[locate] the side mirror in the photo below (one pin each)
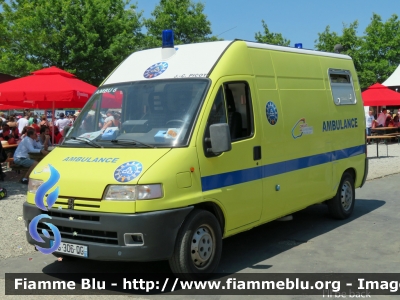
(220, 138)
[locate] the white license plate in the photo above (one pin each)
(71, 249)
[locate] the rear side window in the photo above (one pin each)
(342, 87)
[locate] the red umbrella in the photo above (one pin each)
(46, 88)
(380, 95)
(112, 101)
(8, 107)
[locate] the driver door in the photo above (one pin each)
(233, 178)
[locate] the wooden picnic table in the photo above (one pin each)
(384, 130)
(9, 149)
(8, 146)
(377, 139)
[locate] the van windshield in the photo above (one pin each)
(158, 113)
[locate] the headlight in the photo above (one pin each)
(150, 191)
(33, 185)
(133, 192)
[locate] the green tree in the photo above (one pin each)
(380, 51)
(376, 54)
(184, 17)
(350, 41)
(86, 37)
(270, 37)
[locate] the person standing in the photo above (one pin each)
(370, 119)
(382, 118)
(30, 119)
(12, 122)
(62, 122)
(44, 122)
(22, 123)
(35, 125)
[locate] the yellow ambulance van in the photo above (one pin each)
(185, 145)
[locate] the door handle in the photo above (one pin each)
(257, 152)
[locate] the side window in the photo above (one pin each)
(218, 112)
(342, 87)
(232, 105)
(240, 116)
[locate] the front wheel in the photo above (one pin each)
(341, 206)
(198, 247)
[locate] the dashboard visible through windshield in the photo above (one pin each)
(158, 113)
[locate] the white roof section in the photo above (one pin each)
(186, 61)
(192, 60)
(296, 50)
(394, 79)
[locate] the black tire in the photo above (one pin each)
(341, 206)
(198, 247)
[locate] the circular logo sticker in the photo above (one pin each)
(272, 113)
(128, 171)
(155, 70)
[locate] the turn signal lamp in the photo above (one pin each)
(168, 38)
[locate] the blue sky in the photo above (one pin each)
(300, 21)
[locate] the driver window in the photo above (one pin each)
(232, 105)
(218, 112)
(217, 115)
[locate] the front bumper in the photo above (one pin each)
(103, 233)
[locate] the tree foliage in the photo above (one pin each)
(86, 37)
(349, 40)
(270, 37)
(184, 17)
(380, 50)
(376, 54)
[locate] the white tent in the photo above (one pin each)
(394, 79)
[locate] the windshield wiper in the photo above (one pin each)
(87, 141)
(130, 142)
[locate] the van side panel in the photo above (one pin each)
(299, 166)
(302, 162)
(346, 138)
(266, 90)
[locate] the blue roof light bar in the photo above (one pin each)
(168, 38)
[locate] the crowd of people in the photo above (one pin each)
(33, 135)
(384, 119)
(14, 128)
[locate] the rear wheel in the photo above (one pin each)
(198, 247)
(341, 206)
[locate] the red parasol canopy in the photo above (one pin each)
(380, 95)
(46, 87)
(8, 107)
(112, 101)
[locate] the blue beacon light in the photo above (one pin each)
(298, 45)
(168, 38)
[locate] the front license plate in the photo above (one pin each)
(71, 249)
